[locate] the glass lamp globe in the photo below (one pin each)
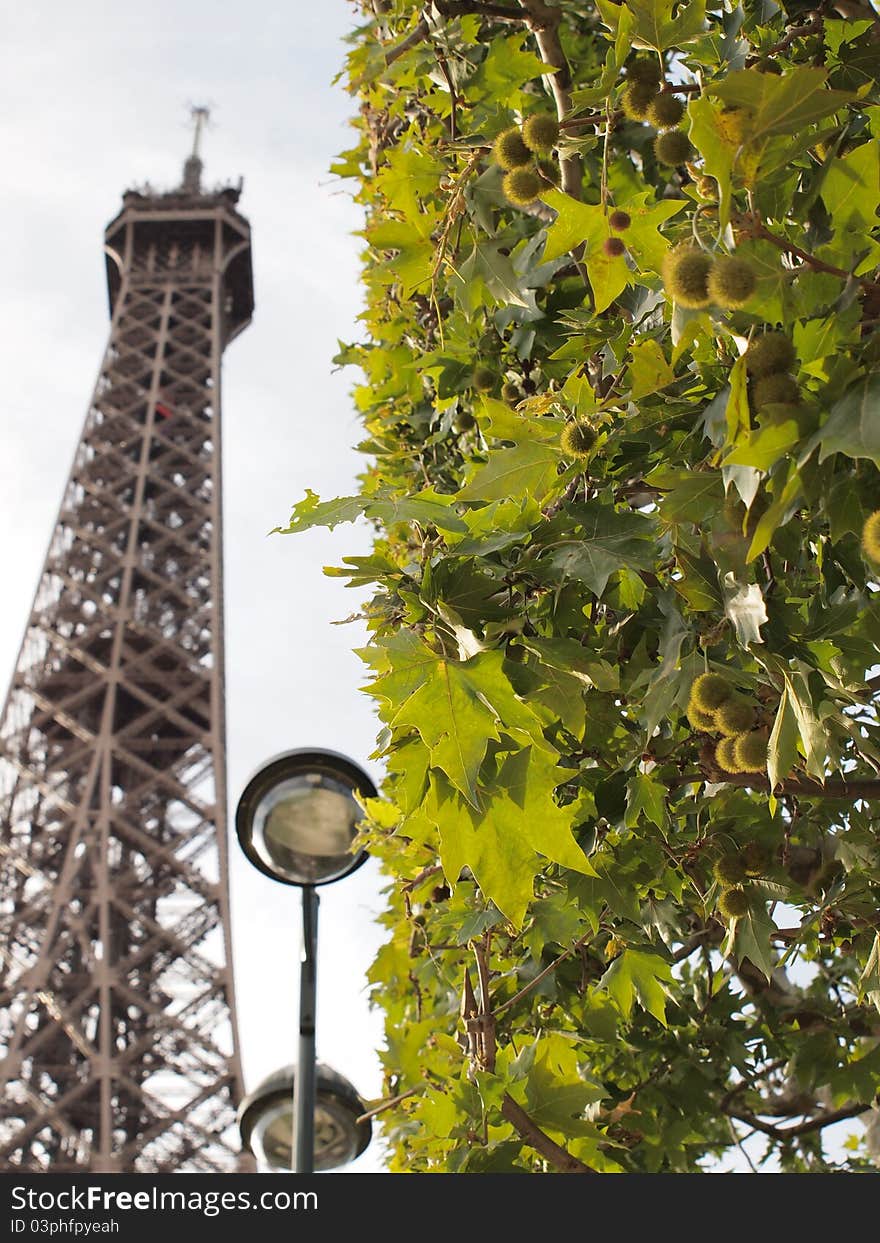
(298, 817)
(266, 1121)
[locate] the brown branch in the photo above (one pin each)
(802, 1128)
(416, 35)
(425, 874)
(389, 1104)
(755, 228)
(815, 23)
(543, 22)
(833, 788)
(542, 975)
(463, 8)
(560, 1158)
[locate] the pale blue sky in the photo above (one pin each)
(94, 99)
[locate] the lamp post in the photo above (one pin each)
(296, 821)
(265, 1120)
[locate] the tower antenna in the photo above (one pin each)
(192, 168)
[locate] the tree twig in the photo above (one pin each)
(560, 1158)
(542, 975)
(389, 1103)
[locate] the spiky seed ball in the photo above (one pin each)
(775, 389)
(703, 722)
(771, 352)
(733, 125)
(620, 221)
(510, 151)
(734, 717)
(483, 379)
(637, 99)
(733, 903)
(731, 281)
(750, 751)
(521, 186)
(613, 247)
(665, 112)
(549, 170)
(756, 859)
(710, 691)
(729, 870)
(871, 537)
(577, 439)
(672, 147)
(644, 69)
(685, 275)
(725, 756)
(540, 133)
(464, 421)
(509, 392)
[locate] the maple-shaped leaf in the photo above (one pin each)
(636, 975)
(655, 26)
(579, 223)
(780, 103)
(601, 541)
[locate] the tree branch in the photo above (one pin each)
(416, 35)
(834, 787)
(543, 22)
(802, 1128)
(462, 8)
(542, 975)
(757, 229)
(560, 1158)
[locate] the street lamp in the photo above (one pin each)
(265, 1120)
(296, 821)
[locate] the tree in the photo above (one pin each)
(622, 411)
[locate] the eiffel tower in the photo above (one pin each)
(118, 1044)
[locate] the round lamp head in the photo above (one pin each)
(297, 818)
(265, 1121)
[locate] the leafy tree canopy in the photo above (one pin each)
(621, 399)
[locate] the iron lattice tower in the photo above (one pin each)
(118, 1045)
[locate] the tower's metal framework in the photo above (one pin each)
(118, 1045)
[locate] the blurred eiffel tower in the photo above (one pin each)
(118, 1045)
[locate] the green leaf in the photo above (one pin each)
(869, 980)
(692, 496)
(737, 413)
(851, 189)
(313, 512)
(456, 708)
(853, 426)
(780, 103)
(749, 937)
(558, 1090)
(718, 154)
(646, 796)
(764, 448)
(505, 69)
(649, 370)
(782, 752)
(584, 223)
(528, 469)
(635, 974)
(605, 541)
(407, 176)
(570, 657)
(655, 26)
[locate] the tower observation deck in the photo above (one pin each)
(118, 1044)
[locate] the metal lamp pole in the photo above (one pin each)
(304, 1083)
